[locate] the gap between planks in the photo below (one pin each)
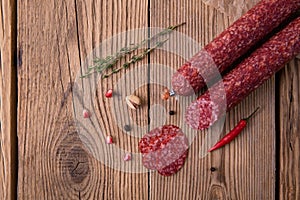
(8, 76)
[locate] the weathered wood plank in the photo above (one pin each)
(55, 37)
(245, 169)
(289, 145)
(8, 148)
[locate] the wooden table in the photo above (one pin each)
(43, 46)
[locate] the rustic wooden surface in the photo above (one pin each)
(55, 37)
(288, 125)
(8, 146)
(245, 169)
(53, 164)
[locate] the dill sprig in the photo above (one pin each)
(101, 64)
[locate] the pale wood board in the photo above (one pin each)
(55, 37)
(289, 142)
(8, 163)
(245, 169)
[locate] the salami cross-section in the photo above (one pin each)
(246, 77)
(231, 44)
(164, 149)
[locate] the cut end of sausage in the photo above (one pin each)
(186, 81)
(202, 113)
(181, 85)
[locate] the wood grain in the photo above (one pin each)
(8, 144)
(289, 145)
(55, 38)
(245, 169)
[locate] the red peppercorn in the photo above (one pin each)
(109, 93)
(109, 139)
(86, 113)
(127, 157)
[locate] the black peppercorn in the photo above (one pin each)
(171, 112)
(213, 169)
(127, 128)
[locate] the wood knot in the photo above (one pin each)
(77, 164)
(73, 160)
(217, 192)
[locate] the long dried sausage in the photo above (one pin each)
(231, 44)
(246, 77)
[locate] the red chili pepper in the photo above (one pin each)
(233, 133)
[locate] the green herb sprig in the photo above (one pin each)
(135, 58)
(101, 64)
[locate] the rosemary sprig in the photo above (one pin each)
(135, 58)
(101, 64)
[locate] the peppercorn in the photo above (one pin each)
(109, 139)
(212, 169)
(127, 128)
(109, 93)
(171, 112)
(86, 113)
(127, 157)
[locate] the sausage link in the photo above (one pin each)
(231, 44)
(245, 78)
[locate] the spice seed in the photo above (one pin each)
(109, 139)
(109, 93)
(86, 113)
(127, 128)
(212, 169)
(165, 95)
(127, 157)
(171, 112)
